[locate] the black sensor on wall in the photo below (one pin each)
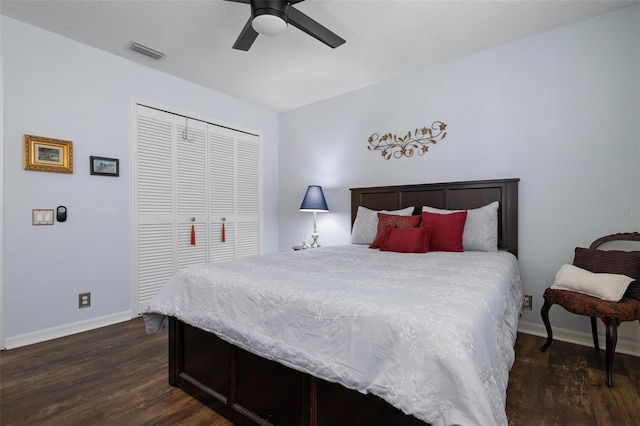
(61, 214)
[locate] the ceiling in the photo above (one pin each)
(385, 39)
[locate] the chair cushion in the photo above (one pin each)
(627, 309)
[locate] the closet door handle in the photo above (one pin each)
(193, 219)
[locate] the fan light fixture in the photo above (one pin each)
(269, 25)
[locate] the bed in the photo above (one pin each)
(336, 336)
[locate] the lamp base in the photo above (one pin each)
(315, 234)
(315, 244)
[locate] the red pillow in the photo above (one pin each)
(395, 221)
(446, 232)
(411, 240)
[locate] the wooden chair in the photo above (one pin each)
(611, 313)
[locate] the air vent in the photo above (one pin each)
(146, 51)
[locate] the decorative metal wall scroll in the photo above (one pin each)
(416, 142)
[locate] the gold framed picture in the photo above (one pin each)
(47, 154)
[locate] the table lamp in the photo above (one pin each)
(314, 202)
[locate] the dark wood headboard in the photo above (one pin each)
(452, 196)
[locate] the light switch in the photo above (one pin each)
(42, 217)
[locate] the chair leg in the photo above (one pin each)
(594, 333)
(545, 318)
(611, 324)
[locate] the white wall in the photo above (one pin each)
(560, 111)
(58, 88)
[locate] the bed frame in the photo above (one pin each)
(250, 390)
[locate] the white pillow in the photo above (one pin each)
(365, 227)
(604, 286)
(481, 228)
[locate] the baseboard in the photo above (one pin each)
(624, 346)
(65, 330)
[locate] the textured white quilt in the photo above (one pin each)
(432, 334)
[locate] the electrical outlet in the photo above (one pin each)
(527, 303)
(84, 300)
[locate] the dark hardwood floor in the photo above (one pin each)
(118, 375)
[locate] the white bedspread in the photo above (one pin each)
(433, 334)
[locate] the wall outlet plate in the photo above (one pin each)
(84, 300)
(527, 303)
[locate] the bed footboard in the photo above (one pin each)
(250, 390)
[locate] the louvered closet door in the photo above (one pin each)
(248, 195)
(222, 178)
(155, 153)
(190, 174)
(171, 178)
(191, 192)
(235, 198)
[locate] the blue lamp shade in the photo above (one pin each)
(314, 200)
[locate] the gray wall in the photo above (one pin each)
(58, 88)
(559, 110)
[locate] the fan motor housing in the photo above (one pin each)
(270, 7)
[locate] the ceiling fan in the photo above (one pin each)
(270, 17)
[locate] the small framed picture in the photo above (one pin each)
(105, 166)
(47, 154)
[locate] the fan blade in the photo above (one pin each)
(246, 37)
(314, 29)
